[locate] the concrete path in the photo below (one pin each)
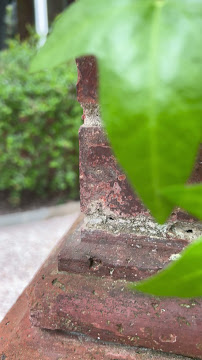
(26, 245)
(38, 214)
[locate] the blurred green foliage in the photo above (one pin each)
(39, 121)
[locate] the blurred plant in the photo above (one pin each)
(11, 19)
(39, 121)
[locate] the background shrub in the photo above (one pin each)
(39, 121)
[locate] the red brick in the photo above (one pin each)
(104, 308)
(121, 256)
(87, 80)
(103, 185)
(19, 340)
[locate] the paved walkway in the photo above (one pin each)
(25, 246)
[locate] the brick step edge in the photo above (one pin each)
(124, 256)
(104, 309)
(20, 340)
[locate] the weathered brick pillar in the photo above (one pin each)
(117, 242)
(119, 238)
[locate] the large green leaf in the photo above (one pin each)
(187, 197)
(182, 279)
(150, 62)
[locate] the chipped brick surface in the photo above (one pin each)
(19, 340)
(103, 186)
(87, 80)
(104, 309)
(122, 256)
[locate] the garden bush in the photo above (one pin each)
(39, 121)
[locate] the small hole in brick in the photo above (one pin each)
(189, 231)
(111, 218)
(54, 281)
(91, 262)
(94, 263)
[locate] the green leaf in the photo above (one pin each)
(187, 197)
(183, 278)
(150, 62)
(80, 30)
